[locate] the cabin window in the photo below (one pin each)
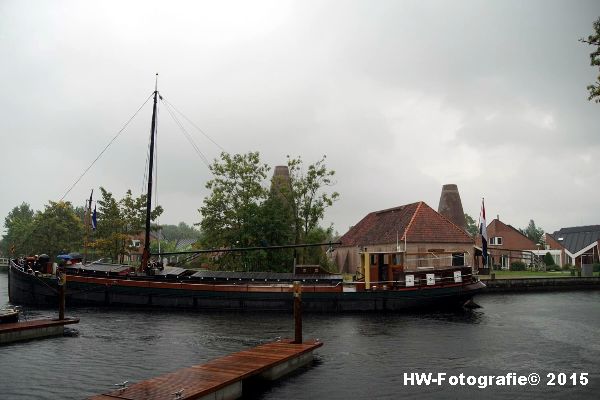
(373, 259)
(458, 259)
(386, 259)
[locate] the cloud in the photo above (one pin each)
(401, 96)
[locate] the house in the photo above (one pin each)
(422, 237)
(577, 245)
(506, 245)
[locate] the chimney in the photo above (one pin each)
(451, 206)
(281, 178)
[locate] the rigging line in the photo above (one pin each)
(145, 175)
(105, 148)
(187, 135)
(194, 125)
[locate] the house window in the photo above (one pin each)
(135, 243)
(496, 241)
(505, 262)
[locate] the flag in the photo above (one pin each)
(483, 233)
(94, 221)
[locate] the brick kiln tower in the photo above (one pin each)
(451, 206)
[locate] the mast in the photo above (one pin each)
(87, 217)
(146, 253)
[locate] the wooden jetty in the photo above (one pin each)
(222, 378)
(26, 330)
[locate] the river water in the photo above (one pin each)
(365, 356)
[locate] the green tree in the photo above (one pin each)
(307, 196)
(594, 41)
(277, 228)
(535, 234)
(108, 238)
(231, 213)
(472, 228)
(118, 221)
(18, 224)
(57, 229)
(548, 259)
(180, 231)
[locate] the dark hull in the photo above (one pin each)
(28, 289)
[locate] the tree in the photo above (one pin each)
(548, 259)
(306, 196)
(118, 221)
(535, 234)
(472, 228)
(231, 213)
(18, 224)
(594, 40)
(180, 231)
(108, 237)
(57, 229)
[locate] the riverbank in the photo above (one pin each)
(524, 284)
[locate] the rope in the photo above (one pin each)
(194, 125)
(187, 135)
(105, 148)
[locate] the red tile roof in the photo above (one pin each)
(421, 223)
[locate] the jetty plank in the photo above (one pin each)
(38, 323)
(34, 329)
(202, 380)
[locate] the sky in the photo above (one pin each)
(401, 96)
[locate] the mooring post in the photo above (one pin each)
(297, 312)
(62, 282)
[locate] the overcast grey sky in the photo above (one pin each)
(402, 97)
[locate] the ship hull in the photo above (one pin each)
(28, 289)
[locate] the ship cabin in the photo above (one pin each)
(384, 270)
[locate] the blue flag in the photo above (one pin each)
(94, 221)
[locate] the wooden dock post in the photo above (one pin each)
(62, 283)
(297, 312)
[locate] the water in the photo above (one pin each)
(365, 356)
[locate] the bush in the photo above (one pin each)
(567, 267)
(596, 267)
(553, 267)
(518, 266)
(548, 259)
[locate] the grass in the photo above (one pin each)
(530, 274)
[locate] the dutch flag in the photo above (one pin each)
(483, 233)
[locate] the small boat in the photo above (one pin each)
(152, 285)
(8, 315)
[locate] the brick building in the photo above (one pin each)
(422, 234)
(506, 245)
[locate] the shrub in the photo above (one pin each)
(567, 267)
(517, 266)
(548, 259)
(596, 267)
(553, 267)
